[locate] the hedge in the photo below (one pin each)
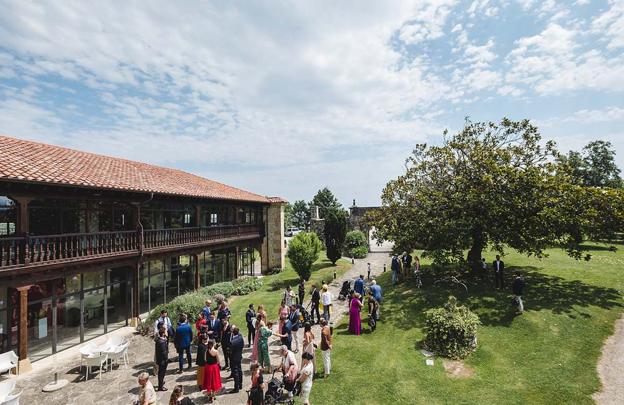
(193, 302)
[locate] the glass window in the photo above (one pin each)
(4, 331)
(93, 279)
(144, 291)
(93, 313)
(157, 283)
(39, 329)
(67, 321)
(118, 305)
(8, 216)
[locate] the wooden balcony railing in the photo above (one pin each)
(31, 250)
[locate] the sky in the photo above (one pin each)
(283, 97)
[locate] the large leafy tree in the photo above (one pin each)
(335, 231)
(325, 200)
(492, 185)
(303, 251)
(300, 214)
(594, 166)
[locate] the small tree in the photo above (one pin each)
(356, 245)
(451, 331)
(335, 232)
(303, 251)
(300, 214)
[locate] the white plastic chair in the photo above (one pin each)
(8, 361)
(115, 341)
(119, 353)
(86, 351)
(12, 399)
(97, 360)
(6, 387)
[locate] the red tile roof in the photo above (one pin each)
(29, 161)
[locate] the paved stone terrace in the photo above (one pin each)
(120, 386)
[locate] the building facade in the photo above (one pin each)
(89, 243)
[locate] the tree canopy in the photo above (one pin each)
(492, 185)
(594, 166)
(325, 200)
(334, 232)
(300, 214)
(303, 251)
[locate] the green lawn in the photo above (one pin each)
(546, 355)
(271, 292)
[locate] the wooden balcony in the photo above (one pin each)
(32, 251)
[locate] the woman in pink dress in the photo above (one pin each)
(283, 315)
(260, 316)
(355, 323)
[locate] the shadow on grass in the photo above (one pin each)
(406, 305)
(294, 281)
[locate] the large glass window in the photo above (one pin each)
(8, 216)
(118, 298)
(67, 321)
(157, 283)
(39, 312)
(93, 315)
(144, 289)
(186, 274)
(5, 328)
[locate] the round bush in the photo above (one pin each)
(451, 331)
(356, 245)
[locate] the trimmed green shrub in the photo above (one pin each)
(451, 331)
(356, 245)
(245, 285)
(303, 250)
(226, 288)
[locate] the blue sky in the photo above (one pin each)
(282, 98)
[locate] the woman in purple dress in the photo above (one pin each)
(355, 323)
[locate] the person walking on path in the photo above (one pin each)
(518, 288)
(306, 377)
(314, 304)
(161, 347)
(373, 308)
(289, 296)
(236, 357)
(326, 298)
(308, 343)
(326, 346)
(147, 394)
(355, 321)
(202, 348)
(293, 318)
(183, 339)
(499, 272)
(250, 315)
(358, 285)
(256, 391)
(395, 266)
(212, 373)
(301, 291)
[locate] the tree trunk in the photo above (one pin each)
(474, 254)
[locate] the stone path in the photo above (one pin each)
(611, 368)
(120, 386)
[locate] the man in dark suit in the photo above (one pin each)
(162, 355)
(251, 329)
(499, 272)
(226, 335)
(183, 339)
(214, 328)
(314, 303)
(236, 357)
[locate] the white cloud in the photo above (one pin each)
(608, 114)
(611, 24)
(427, 23)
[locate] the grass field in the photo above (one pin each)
(546, 355)
(271, 292)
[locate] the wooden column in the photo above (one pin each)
(237, 262)
(134, 321)
(24, 365)
(195, 257)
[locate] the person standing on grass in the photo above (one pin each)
(326, 298)
(499, 272)
(147, 394)
(407, 263)
(202, 348)
(212, 374)
(395, 266)
(301, 291)
(161, 347)
(358, 285)
(306, 377)
(355, 321)
(183, 339)
(236, 357)
(251, 329)
(314, 304)
(289, 296)
(518, 288)
(326, 346)
(373, 308)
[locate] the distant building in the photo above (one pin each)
(91, 243)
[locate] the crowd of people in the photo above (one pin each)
(220, 346)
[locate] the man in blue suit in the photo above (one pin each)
(214, 327)
(358, 286)
(236, 356)
(183, 339)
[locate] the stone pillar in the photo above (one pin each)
(273, 251)
(24, 365)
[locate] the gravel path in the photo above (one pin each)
(120, 386)
(611, 368)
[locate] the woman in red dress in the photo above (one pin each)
(212, 372)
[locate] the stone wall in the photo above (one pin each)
(273, 250)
